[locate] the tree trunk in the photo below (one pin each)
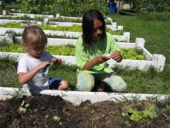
(3, 4)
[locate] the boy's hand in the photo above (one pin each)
(57, 61)
(116, 55)
(44, 64)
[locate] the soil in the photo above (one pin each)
(44, 111)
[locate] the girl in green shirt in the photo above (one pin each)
(93, 49)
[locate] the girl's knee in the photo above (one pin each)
(117, 83)
(85, 82)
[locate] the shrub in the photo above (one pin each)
(37, 6)
(154, 16)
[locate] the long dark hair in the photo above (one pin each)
(87, 25)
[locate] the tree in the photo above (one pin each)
(3, 4)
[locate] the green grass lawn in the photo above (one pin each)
(157, 36)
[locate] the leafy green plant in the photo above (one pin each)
(156, 5)
(73, 28)
(12, 25)
(69, 50)
(37, 6)
(129, 53)
(141, 115)
(61, 50)
(54, 36)
(78, 7)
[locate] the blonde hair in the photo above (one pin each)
(34, 36)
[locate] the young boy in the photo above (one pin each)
(33, 66)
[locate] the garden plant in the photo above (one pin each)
(73, 28)
(69, 50)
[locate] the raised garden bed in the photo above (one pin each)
(24, 16)
(69, 26)
(88, 109)
(30, 15)
(125, 37)
(112, 26)
(155, 60)
(76, 97)
(69, 50)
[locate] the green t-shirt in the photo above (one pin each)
(97, 47)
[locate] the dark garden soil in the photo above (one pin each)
(44, 111)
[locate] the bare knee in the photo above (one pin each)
(63, 85)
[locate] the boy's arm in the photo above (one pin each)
(25, 77)
(56, 61)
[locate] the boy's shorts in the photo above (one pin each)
(54, 83)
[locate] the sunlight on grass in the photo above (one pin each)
(138, 81)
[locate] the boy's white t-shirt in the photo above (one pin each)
(40, 80)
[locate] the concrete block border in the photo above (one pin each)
(76, 97)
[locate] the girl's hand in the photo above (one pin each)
(101, 59)
(116, 55)
(57, 61)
